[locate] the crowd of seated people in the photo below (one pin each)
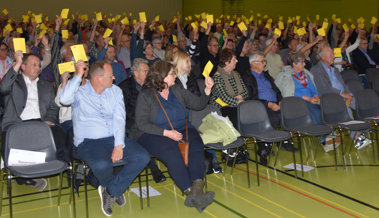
(117, 99)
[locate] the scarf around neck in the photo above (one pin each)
(225, 75)
(302, 78)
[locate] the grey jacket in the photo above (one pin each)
(323, 82)
(285, 83)
(148, 105)
(13, 88)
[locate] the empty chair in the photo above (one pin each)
(334, 113)
(368, 109)
(371, 73)
(253, 122)
(31, 136)
(349, 74)
(295, 118)
(354, 86)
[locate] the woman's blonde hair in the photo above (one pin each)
(169, 51)
(180, 59)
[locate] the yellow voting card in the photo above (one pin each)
(161, 28)
(204, 25)
(174, 38)
(251, 18)
(79, 52)
(66, 67)
(193, 24)
(268, 25)
(281, 25)
(19, 44)
(225, 33)
(337, 52)
(210, 18)
(374, 20)
(231, 23)
(189, 18)
(134, 21)
(110, 42)
(297, 17)
(38, 18)
(207, 69)
(304, 24)
(5, 11)
(130, 14)
(65, 34)
(325, 25)
(289, 20)
(42, 33)
(281, 18)
(317, 17)
(157, 18)
(344, 26)
(66, 21)
(258, 14)
(142, 17)
(107, 33)
(117, 17)
(220, 102)
(242, 26)
(99, 16)
(278, 32)
(295, 29)
(19, 30)
(301, 31)
(321, 31)
(352, 26)
(338, 20)
(269, 21)
(64, 13)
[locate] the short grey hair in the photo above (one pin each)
(300, 46)
(251, 42)
(65, 47)
(254, 56)
(262, 38)
(295, 58)
(145, 44)
(155, 39)
(135, 64)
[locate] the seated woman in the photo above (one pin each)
(297, 81)
(229, 86)
(152, 129)
(170, 53)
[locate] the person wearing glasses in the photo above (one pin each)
(157, 44)
(160, 96)
(362, 59)
(123, 48)
(5, 61)
(98, 117)
(171, 51)
(144, 49)
(209, 50)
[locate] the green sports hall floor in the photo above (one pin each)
(323, 192)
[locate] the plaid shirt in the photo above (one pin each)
(93, 51)
(219, 91)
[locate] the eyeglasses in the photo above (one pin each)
(214, 45)
(262, 61)
(159, 43)
(172, 74)
(111, 75)
(3, 49)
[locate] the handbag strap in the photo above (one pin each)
(169, 118)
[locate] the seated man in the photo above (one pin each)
(26, 98)
(261, 87)
(98, 117)
(362, 59)
(328, 79)
(130, 89)
(292, 46)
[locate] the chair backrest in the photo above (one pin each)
(375, 84)
(349, 74)
(371, 73)
(354, 86)
(333, 109)
(294, 113)
(252, 117)
(367, 104)
(30, 136)
(283, 52)
(196, 117)
(201, 84)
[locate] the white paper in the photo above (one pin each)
(23, 158)
(374, 118)
(306, 168)
(352, 122)
(152, 192)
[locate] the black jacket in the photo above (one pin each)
(191, 84)
(130, 93)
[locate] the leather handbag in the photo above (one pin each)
(183, 145)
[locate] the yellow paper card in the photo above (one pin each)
(78, 52)
(325, 25)
(29, 12)
(204, 25)
(175, 19)
(161, 28)
(251, 18)
(278, 32)
(345, 28)
(377, 36)
(251, 11)
(134, 21)
(107, 33)
(110, 14)
(130, 14)
(38, 18)
(297, 17)
(125, 21)
(242, 26)
(281, 18)
(350, 20)
(326, 20)
(225, 33)
(210, 18)
(174, 38)
(42, 33)
(338, 20)
(73, 17)
(295, 29)
(352, 26)
(298, 22)
(259, 22)
(110, 42)
(192, 24)
(321, 31)
(268, 26)
(46, 18)
(64, 13)
(258, 14)
(265, 17)
(289, 20)
(228, 17)
(109, 20)
(142, 17)
(64, 67)
(281, 25)
(231, 23)
(337, 52)
(374, 20)
(43, 27)
(361, 25)
(301, 31)
(99, 16)
(207, 69)
(5, 11)
(25, 19)
(65, 34)
(19, 44)
(66, 21)
(317, 17)
(19, 30)
(189, 18)
(220, 102)
(117, 17)
(204, 15)
(304, 24)
(157, 18)
(333, 16)
(238, 20)
(269, 21)
(113, 19)
(309, 20)
(8, 27)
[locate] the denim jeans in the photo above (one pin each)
(97, 154)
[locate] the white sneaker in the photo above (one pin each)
(359, 144)
(329, 147)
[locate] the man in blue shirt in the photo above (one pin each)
(98, 117)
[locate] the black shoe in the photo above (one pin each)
(216, 167)
(268, 149)
(120, 201)
(286, 145)
(262, 157)
(158, 176)
(107, 201)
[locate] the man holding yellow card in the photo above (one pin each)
(362, 58)
(209, 50)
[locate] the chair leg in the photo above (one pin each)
(72, 193)
(352, 143)
(10, 194)
(85, 187)
(310, 149)
(256, 159)
(372, 143)
(226, 163)
(293, 155)
(234, 161)
(140, 190)
(60, 188)
(147, 189)
(301, 154)
(205, 180)
(277, 153)
(1, 190)
(247, 165)
(343, 150)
